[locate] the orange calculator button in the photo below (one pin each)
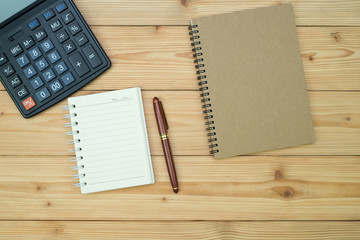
(29, 103)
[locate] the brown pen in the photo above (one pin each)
(162, 126)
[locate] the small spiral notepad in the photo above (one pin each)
(111, 142)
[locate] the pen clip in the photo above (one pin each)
(163, 112)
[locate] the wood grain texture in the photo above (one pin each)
(148, 43)
(179, 230)
(179, 12)
(160, 58)
(336, 118)
(240, 188)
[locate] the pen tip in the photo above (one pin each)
(176, 189)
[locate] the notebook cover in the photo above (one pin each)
(256, 80)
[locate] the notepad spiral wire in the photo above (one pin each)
(78, 158)
(200, 66)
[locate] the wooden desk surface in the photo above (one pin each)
(307, 192)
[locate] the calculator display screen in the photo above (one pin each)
(10, 7)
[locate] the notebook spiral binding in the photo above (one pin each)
(77, 150)
(200, 66)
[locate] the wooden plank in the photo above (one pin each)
(160, 58)
(335, 116)
(240, 188)
(179, 12)
(180, 230)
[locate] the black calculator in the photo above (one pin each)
(47, 52)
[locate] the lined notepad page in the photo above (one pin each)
(113, 147)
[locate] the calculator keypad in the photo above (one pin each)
(28, 42)
(15, 81)
(62, 36)
(42, 94)
(34, 24)
(69, 47)
(35, 53)
(30, 72)
(40, 34)
(42, 64)
(49, 75)
(23, 61)
(55, 25)
(3, 59)
(16, 50)
(8, 70)
(49, 14)
(79, 64)
(36, 83)
(67, 79)
(68, 17)
(29, 103)
(54, 55)
(22, 92)
(47, 45)
(74, 28)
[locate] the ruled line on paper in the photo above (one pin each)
(99, 110)
(104, 103)
(121, 144)
(117, 158)
(101, 154)
(113, 167)
(117, 180)
(116, 175)
(102, 121)
(96, 142)
(105, 130)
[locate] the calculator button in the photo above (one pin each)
(49, 14)
(23, 61)
(61, 68)
(68, 17)
(79, 64)
(69, 47)
(42, 94)
(28, 42)
(54, 57)
(55, 86)
(42, 64)
(34, 24)
(3, 59)
(49, 75)
(40, 34)
(22, 92)
(61, 7)
(16, 50)
(62, 36)
(8, 70)
(81, 39)
(30, 72)
(92, 56)
(36, 83)
(29, 103)
(47, 45)
(35, 53)
(15, 81)
(74, 28)
(68, 78)
(55, 25)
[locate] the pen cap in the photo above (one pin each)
(160, 116)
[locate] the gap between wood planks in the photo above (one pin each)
(165, 221)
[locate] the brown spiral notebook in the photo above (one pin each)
(251, 74)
